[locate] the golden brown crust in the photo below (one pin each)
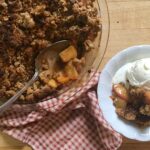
(28, 26)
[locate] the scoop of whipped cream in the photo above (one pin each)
(138, 74)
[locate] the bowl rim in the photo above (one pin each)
(100, 87)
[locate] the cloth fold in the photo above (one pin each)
(69, 122)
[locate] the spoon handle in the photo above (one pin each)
(8, 103)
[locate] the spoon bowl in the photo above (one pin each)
(50, 55)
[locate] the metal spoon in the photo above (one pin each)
(50, 54)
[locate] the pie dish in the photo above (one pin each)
(27, 27)
(127, 128)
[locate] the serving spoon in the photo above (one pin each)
(50, 54)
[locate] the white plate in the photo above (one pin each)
(126, 128)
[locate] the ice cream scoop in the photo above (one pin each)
(138, 74)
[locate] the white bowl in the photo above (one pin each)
(126, 128)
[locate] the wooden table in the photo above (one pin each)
(129, 25)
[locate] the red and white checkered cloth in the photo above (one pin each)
(72, 121)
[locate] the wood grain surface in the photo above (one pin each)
(129, 25)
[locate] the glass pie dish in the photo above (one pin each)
(92, 58)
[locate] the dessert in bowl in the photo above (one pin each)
(123, 92)
(131, 91)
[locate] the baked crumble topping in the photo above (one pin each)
(28, 26)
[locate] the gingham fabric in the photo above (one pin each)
(73, 121)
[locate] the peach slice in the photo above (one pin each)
(147, 97)
(120, 91)
(120, 103)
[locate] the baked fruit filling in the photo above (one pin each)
(132, 103)
(131, 91)
(29, 26)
